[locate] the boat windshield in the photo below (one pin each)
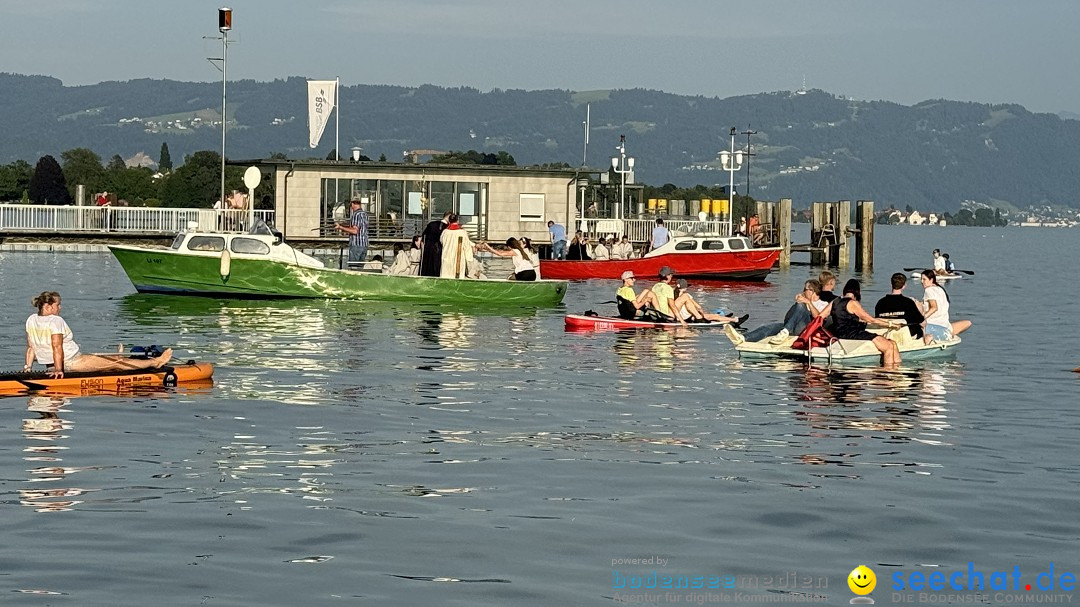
(259, 228)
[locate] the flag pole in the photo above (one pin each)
(337, 118)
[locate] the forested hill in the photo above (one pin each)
(809, 146)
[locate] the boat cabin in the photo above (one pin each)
(257, 245)
(702, 244)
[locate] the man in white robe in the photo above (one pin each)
(457, 251)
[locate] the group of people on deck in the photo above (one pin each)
(845, 317)
(580, 248)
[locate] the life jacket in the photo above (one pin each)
(813, 336)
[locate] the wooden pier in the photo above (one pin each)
(833, 236)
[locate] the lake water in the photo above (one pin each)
(356, 453)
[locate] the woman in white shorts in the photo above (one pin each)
(936, 310)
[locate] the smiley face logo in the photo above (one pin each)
(862, 580)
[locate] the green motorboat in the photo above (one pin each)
(261, 265)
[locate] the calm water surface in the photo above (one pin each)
(370, 454)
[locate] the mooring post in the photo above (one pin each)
(864, 240)
(843, 222)
(784, 227)
(818, 219)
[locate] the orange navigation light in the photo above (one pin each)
(224, 19)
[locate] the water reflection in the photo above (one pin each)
(44, 432)
(662, 349)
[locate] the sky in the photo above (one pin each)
(988, 51)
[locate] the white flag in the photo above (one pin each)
(322, 97)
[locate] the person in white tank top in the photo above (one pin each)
(49, 340)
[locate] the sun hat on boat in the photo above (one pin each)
(628, 274)
(666, 271)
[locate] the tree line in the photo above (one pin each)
(194, 184)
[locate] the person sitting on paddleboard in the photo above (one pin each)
(939, 263)
(693, 311)
(667, 302)
(949, 267)
(631, 304)
(49, 340)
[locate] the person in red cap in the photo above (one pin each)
(631, 303)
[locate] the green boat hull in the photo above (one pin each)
(167, 271)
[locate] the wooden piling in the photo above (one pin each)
(784, 230)
(864, 239)
(842, 257)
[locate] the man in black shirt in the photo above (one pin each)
(897, 305)
(828, 283)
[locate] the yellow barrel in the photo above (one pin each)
(661, 205)
(720, 206)
(652, 204)
(706, 206)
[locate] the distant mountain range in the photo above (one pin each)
(809, 145)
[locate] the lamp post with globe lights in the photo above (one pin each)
(625, 168)
(731, 161)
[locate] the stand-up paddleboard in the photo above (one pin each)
(940, 277)
(581, 322)
(166, 376)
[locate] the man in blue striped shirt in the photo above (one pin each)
(357, 229)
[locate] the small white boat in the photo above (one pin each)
(849, 351)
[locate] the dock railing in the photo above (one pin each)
(640, 230)
(31, 218)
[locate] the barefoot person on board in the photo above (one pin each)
(49, 340)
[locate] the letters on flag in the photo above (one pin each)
(322, 97)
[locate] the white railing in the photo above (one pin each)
(640, 230)
(141, 220)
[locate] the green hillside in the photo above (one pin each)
(813, 146)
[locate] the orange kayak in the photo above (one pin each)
(167, 376)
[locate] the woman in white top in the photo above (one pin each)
(49, 340)
(936, 310)
(401, 264)
(523, 262)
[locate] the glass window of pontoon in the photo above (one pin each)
(686, 245)
(249, 246)
(442, 198)
(713, 245)
(179, 240)
(206, 243)
(737, 244)
(468, 200)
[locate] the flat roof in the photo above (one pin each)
(401, 167)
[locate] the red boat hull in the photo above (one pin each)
(751, 264)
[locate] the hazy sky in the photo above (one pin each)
(993, 51)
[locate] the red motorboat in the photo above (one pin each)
(703, 257)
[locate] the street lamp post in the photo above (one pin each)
(731, 161)
(625, 168)
(224, 25)
(748, 132)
